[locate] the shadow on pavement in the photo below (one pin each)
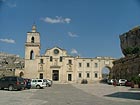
(126, 95)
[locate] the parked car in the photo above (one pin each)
(12, 83)
(110, 81)
(122, 82)
(128, 83)
(38, 83)
(48, 82)
(27, 83)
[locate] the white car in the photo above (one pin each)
(110, 81)
(122, 82)
(48, 82)
(38, 83)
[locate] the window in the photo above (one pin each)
(41, 61)
(96, 64)
(70, 62)
(96, 75)
(88, 65)
(61, 59)
(32, 40)
(34, 81)
(39, 80)
(88, 75)
(31, 55)
(80, 64)
(80, 75)
(51, 58)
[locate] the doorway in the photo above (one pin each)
(55, 75)
(69, 77)
(41, 76)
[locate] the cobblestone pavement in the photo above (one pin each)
(67, 94)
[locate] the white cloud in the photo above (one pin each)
(72, 34)
(9, 4)
(56, 20)
(74, 51)
(7, 41)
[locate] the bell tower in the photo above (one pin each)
(32, 45)
(32, 51)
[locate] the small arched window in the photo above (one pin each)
(31, 55)
(32, 40)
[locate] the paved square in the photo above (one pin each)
(75, 94)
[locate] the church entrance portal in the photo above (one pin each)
(55, 75)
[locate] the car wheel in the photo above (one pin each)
(38, 87)
(10, 88)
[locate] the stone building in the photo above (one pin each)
(56, 64)
(11, 64)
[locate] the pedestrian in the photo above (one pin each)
(114, 83)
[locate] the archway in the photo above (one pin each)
(21, 74)
(106, 72)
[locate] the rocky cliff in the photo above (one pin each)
(128, 66)
(130, 42)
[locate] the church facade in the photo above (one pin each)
(56, 64)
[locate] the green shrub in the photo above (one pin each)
(132, 50)
(136, 79)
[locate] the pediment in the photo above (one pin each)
(56, 51)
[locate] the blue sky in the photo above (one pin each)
(88, 28)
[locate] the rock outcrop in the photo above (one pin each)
(128, 66)
(130, 42)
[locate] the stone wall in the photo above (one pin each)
(126, 67)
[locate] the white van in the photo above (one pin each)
(38, 83)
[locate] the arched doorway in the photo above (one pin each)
(21, 74)
(106, 72)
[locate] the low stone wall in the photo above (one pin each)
(126, 67)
